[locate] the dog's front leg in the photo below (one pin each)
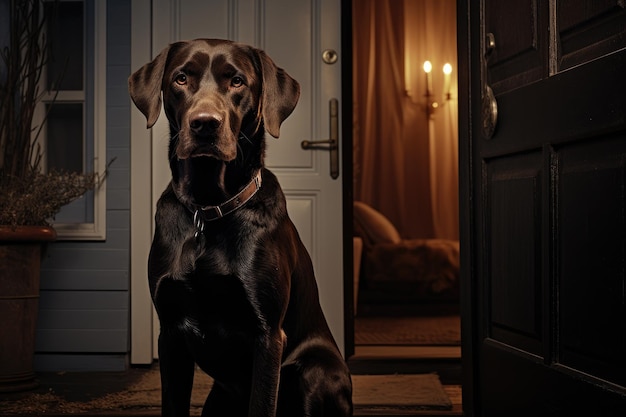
(265, 374)
(177, 368)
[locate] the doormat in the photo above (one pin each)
(419, 330)
(393, 392)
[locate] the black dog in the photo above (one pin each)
(230, 279)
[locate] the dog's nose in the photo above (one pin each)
(204, 123)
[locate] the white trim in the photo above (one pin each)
(141, 312)
(166, 18)
(64, 96)
(97, 229)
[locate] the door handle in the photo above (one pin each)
(332, 144)
(489, 107)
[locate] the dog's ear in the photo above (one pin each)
(279, 96)
(145, 87)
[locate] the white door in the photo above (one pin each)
(291, 33)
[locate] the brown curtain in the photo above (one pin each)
(406, 165)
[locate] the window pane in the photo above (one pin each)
(65, 31)
(64, 135)
(78, 211)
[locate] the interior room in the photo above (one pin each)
(405, 155)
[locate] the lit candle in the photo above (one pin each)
(428, 67)
(447, 70)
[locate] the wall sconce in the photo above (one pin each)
(431, 104)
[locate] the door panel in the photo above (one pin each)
(520, 386)
(518, 58)
(589, 30)
(514, 199)
(592, 249)
(288, 38)
(543, 208)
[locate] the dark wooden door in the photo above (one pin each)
(543, 206)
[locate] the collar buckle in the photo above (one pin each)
(210, 213)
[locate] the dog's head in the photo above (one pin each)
(215, 92)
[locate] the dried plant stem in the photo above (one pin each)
(28, 196)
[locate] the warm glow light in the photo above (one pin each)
(447, 69)
(428, 67)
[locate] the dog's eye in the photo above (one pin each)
(236, 81)
(181, 79)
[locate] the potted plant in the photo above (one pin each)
(29, 197)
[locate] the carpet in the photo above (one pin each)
(140, 395)
(419, 330)
(408, 392)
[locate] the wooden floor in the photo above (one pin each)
(444, 360)
(410, 352)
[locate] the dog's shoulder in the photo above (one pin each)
(269, 205)
(169, 208)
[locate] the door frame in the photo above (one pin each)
(141, 312)
(467, 274)
(142, 344)
(347, 175)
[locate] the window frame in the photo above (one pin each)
(94, 38)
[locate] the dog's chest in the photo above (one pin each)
(207, 309)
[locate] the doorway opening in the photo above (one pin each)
(405, 187)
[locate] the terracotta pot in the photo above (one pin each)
(20, 260)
